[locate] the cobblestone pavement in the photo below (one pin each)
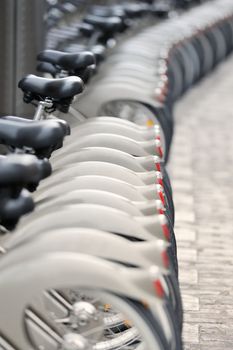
(201, 166)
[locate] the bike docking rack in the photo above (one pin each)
(93, 262)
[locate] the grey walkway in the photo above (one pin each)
(201, 166)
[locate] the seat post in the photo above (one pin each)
(40, 111)
(94, 38)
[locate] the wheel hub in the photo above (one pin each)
(85, 318)
(73, 341)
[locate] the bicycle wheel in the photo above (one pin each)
(93, 320)
(135, 112)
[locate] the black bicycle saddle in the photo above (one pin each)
(21, 170)
(135, 10)
(70, 62)
(57, 89)
(104, 24)
(99, 52)
(112, 11)
(108, 11)
(11, 209)
(66, 8)
(43, 136)
(161, 10)
(87, 30)
(63, 124)
(45, 67)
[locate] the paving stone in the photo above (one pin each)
(185, 216)
(209, 332)
(216, 346)
(207, 316)
(191, 333)
(190, 302)
(182, 184)
(186, 234)
(187, 254)
(192, 347)
(201, 168)
(188, 275)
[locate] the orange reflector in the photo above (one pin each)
(128, 323)
(107, 307)
(145, 304)
(150, 123)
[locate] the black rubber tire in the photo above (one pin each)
(175, 298)
(152, 322)
(172, 249)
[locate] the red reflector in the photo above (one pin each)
(161, 196)
(158, 288)
(161, 211)
(165, 258)
(160, 181)
(157, 166)
(159, 151)
(160, 98)
(166, 232)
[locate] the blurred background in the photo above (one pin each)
(27, 26)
